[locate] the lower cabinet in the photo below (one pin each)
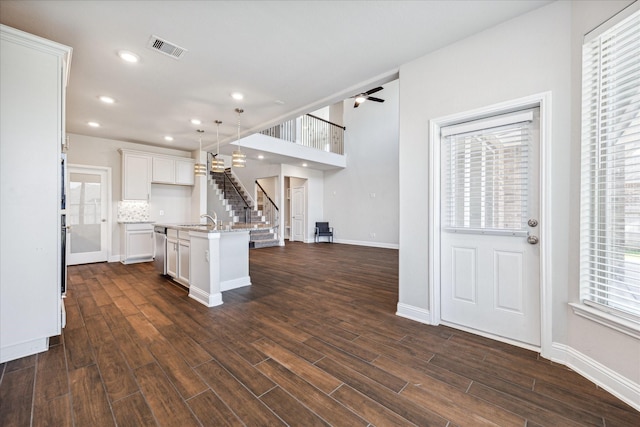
(137, 244)
(178, 254)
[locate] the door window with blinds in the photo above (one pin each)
(610, 193)
(485, 166)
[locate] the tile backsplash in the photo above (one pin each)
(133, 211)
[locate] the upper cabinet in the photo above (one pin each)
(141, 169)
(136, 176)
(172, 170)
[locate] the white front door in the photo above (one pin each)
(297, 214)
(87, 219)
(490, 260)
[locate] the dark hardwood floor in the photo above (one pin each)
(314, 341)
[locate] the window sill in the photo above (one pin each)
(627, 327)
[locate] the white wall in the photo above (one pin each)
(531, 54)
(174, 200)
(362, 199)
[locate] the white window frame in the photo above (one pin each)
(625, 321)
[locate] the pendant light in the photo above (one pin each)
(200, 169)
(217, 163)
(238, 158)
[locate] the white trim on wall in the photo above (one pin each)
(542, 100)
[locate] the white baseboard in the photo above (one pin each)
(210, 300)
(24, 349)
(366, 243)
(228, 285)
(413, 313)
(114, 258)
(621, 387)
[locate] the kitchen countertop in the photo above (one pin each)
(208, 229)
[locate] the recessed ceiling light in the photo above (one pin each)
(168, 138)
(196, 122)
(127, 56)
(94, 124)
(237, 96)
(260, 156)
(278, 102)
(304, 165)
(106, 99)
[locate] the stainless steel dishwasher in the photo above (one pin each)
(160, 261)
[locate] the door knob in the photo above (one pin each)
(533, 240)
(532, 222)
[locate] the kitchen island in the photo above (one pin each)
(215, 260)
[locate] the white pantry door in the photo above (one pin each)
(87, 204)
(490, 260)
(297, 214)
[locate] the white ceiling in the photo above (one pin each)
(286, 57)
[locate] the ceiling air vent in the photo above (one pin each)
(165, 47)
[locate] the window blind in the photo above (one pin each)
(485, 175)
(610, 187)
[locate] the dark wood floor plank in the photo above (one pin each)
(211, 411)
(327, 407)
(155, 316)
(52, 379)
(166, 404)
(78, 347)
(16, 395)
(291, 410)
(125, 305)
(242, 402)
(245, 372)
(89, 400)
(53, 413)
(530, 411)
(382, 395)
(384, 378)
(185, 380)
(190, 350)
(368, 408)
(133, 411)
(23, 362)
(300, 367)
(134, 351)
(99, 331)
(116, 375)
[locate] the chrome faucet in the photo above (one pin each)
(213, 219)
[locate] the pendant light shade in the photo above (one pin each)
(238, 158)
(217, 163)
(200, 169)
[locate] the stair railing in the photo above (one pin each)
(229, 188)
(270, 211)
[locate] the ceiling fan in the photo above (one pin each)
(361, 97)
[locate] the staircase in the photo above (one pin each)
(242, 213)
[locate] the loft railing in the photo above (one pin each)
(269, 210)
(310, 131)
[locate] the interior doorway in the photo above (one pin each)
(88, 219)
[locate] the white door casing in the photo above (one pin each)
(488, 282)
(297, 214)
(88, 219)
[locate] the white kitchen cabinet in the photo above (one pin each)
(138, 243)
(164, 170)
(172, 170)
(184, 171)
(178, 255)
(33, 78)
(136, 175)
(183, 261)
(172, 256)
